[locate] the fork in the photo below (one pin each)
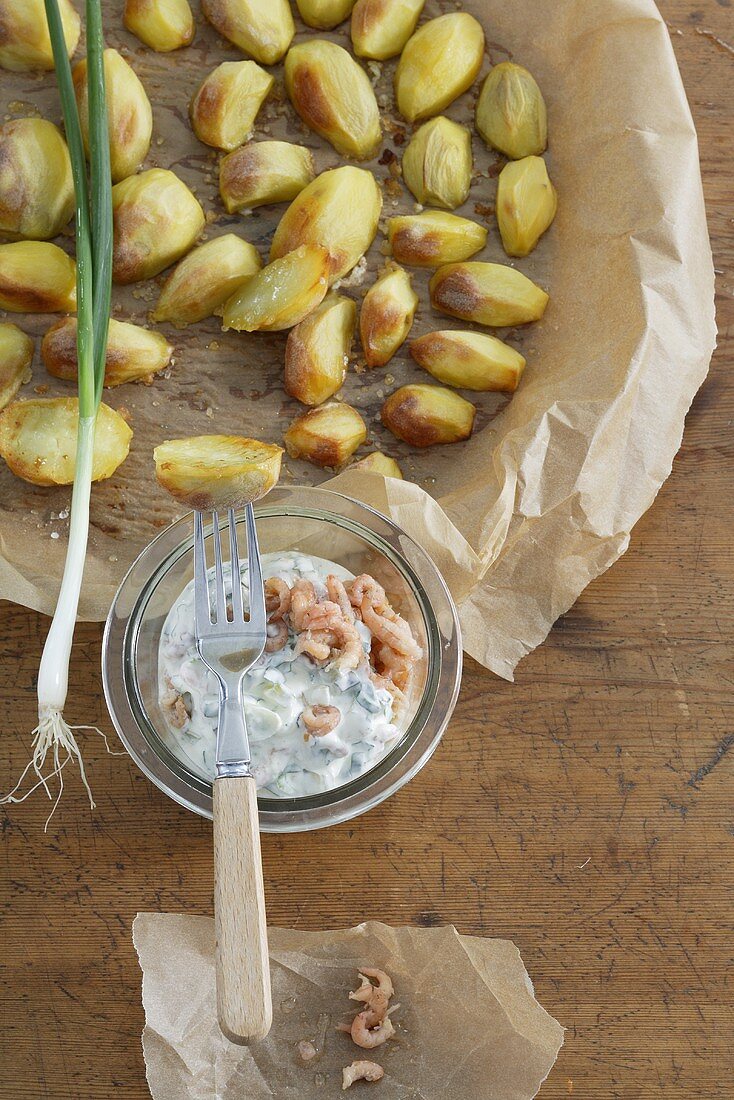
(229, 647)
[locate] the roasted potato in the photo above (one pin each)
(133, 353)
(36, 277)
(16, 356)
(440, 62)
(317, 351)
(326, 436)
(36, 186)
(434, 238)
(380, 28)
(488, 294)
(437, 163)
(526, 204)
(261, 28)
(424, 415)
(164, 25)
(378, 463)
(217, 472)
(324, 15)
(334, 97)
(339, 211)
(469, 360)
(224, 109)
(156, 220)
(205, 279)
(387, 315)
(24, 39)
(129, 115)
(264, 172)
(38, 440)
(511, 114)
(281, 294)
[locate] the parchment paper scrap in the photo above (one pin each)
(469, 1027)
(544, 496)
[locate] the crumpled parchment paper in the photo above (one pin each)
(543, 497)
(468, 1026)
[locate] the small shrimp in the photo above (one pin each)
(375, 997)
(367, 1037)
(338, 595)
(279, 636)
(394, 666)
(320, 720)
(384, 682)
(389, 633)
(365, 588)
(316, 645)
(323, 616)
(383, 983)
(306, 1051)
(303, 597)
(361, 1071)
(352, 653)
(277, 597)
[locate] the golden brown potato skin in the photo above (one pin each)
(36, 185)
(129, 114)
(324, 15)
(38, 440)
(156, 221)
(380, 28)
(24, 39)
(36, 277)
(264, 172)
(378, 463)
(437, 163)
(339, 210)
(426, 415)
(526, 204)
(488, 294)
(387, 315)
(281, 294)
(225, 106)
(133, 354)
(163, 25)
(333, 95)
(261, 28)
(434, 238)
(317, 351)
(327, 436)
(439, 62)
(469, 360)
(16, 356)
(205, 279)
(511, 113)
(217, 472)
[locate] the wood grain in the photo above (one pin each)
(585, 811)
(244, 1005)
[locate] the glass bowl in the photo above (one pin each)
(327, 525)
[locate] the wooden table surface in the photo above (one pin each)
(584, 812)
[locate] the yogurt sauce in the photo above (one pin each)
(286, 762)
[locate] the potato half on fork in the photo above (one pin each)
(216, 472)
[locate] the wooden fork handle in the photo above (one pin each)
(244, 1005)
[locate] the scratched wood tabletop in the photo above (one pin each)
(584, 812)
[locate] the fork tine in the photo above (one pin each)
(202, 606)
(254, 568)
(238, 615)
(220, 608)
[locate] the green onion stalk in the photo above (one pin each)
(93, 280)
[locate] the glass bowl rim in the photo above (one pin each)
(392, 771)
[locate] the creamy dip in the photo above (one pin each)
(286, 760)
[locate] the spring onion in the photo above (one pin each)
(94, 277)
